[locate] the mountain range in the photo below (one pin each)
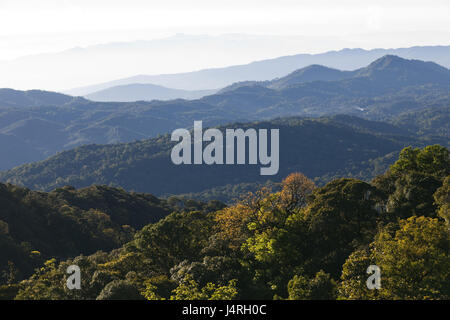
(92, 63)
(390, 70)
(37, 124)
(362, 175)
(268, 69)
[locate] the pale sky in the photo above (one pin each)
(29, 28)
(51, 25)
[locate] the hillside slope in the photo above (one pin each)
(35, 226)
(318, 148)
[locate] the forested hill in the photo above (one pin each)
(300, 243)
(35, 226)
(320, 148)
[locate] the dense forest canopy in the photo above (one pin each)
(323, 149)
(297, 242)
(36, 226)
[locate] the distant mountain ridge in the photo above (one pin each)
(388, 70)
(31, 98)
(216, 78)
(308, 74)
(383, 90)
(145, 92)
(403, 71)
(101, 62)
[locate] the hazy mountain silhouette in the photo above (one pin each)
(31, 98)
(387, 70)
(311, 73)
(383, 90)
(144, 91)
(98, 63)
(346, 59)
(308, 74)
(396, 71)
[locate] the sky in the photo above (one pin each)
(36, 27)
(50, 25)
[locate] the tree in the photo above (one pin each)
(433, 160)
(4, 228)
(340, 217)
(413, 195)
(414, 259)
(233, 221)
(119, 290)
(321, 287)
(354, 276)
(295, 189)
(412, 180)
(442, 200)
(189, 289)
(180, 236)
(218, 269)
(46, 284)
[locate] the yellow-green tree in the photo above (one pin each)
(442, 199)
(189, 289)
(414, 260)
(321, 287)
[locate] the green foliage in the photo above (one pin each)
(341, 216)
(353, 279)
(119, 290)
(432, 160)
(177, 237)
(442, 200)
(413, 195)
(4, 227)
(37, 287)
(159, 288)
(426, 121)
(229, 193)
(414, 261)
(409, 185)
(189, 290)
(35, 226)
(8, 292)
(299, 242)
(321, 287)
(322, 148)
